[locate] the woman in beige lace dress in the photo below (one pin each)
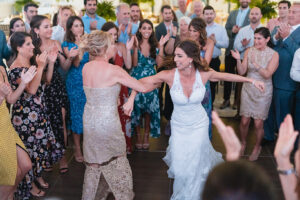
(260, 62)
(104, 147)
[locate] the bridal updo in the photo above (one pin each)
(96, 43)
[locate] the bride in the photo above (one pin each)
(190, 155)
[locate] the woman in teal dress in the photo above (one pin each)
(145, 57)
(74, 83)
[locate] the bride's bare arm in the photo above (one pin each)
(220, 76)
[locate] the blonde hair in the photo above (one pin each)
(96, 43)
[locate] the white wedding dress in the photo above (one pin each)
(190, 155)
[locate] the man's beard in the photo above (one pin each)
(244, 5)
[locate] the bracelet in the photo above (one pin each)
(286, 172)
(174, 37)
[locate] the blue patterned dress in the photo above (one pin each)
(207, 102)
(75, 91)
(148, 102)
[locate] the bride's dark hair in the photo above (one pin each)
(192, 50)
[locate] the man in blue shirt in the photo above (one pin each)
(91, 20)
(126, 28)
(218, 34)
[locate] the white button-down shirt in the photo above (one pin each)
(221, 36)
(245, 32)
(295, 70)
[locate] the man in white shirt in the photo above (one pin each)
(135, 13)
(182, 9)
(245, 37)
(30, 10)
(218, 34)
(58, 32)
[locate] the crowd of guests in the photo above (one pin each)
(52, 70)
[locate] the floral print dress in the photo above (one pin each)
(56, 99)
(148, 102)
(31, 121)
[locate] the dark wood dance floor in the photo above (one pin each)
(150, 172)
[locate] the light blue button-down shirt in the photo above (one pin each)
(87, 20)
(240, 18)
(124, 36)
(245, 32)
(221, 38)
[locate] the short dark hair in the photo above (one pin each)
(208, 7)
(165, 7)
(134, 4)
(30, 5)
(285, 1)
(85, 1)
(238, 180)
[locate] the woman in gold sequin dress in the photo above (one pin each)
(104, 146)
(260, 62)
(14, 159)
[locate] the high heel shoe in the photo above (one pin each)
(138, 145)
(146, 145)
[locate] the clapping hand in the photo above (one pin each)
(73, 52)
(285, 142)
(284, 30)
(129, 43)
(235, 54)
(93, 25)
(4, 89)
(231, 141)
(163, 40)
(245, 42)
(52, 55)
(235, 29)
(41, 59)
(174, 30)
(26, 77)
(213, 38)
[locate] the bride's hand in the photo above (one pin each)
(128, 107)
(231, 141)
(259, 85)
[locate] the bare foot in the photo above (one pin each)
(78, 155)
(255, 153)
(36, 192)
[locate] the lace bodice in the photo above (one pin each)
(188, 110)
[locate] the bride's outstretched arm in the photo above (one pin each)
(220, 76)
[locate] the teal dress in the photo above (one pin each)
(148, 102)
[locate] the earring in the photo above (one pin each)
(190, 66)
(37, 35)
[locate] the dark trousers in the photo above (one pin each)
(215, 64)
(283, 103)
(230, 67)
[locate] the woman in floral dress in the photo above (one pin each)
(122, 58)
(55, 92)
(29, 114)
(145, 57)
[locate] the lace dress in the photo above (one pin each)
(31, 121)
(148, 102)
(190, 155)
(104, 144)
(255, 103)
